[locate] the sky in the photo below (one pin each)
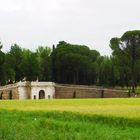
(33, 23)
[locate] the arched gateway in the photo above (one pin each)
(41, 94)
(42, 90)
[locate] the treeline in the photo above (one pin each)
(75, 64)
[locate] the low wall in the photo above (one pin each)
(9, 92)
(69, 91)
(22, 90)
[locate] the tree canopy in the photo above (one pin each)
(75, 64)
(127, 50)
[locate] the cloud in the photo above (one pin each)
(45, 22)
(9, 5)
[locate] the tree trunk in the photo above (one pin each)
(133, 68)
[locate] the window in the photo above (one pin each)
(34, 96)
(49, 96)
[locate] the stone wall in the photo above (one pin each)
(9, 92)
(29, 90)
(116, 94)
(73, 91)
(24, 90)
(20, 90)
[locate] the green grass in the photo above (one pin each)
(138, 90)
(78, 119)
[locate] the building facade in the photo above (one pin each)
(50, 90)
(28, 90)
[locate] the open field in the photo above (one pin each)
(128, 108)
(78, 119)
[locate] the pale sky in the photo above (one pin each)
(31, 23)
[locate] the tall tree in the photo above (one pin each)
(74, 64)
(2, 59)
(30, 66)
(9, 68)
(128, 48)
(16, 57)
(43, 54)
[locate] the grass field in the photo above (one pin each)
(77, 119)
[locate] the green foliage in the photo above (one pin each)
(30, 66)
(16, 57)
(9, 68)
(126, 50)
(74, 64)
(44, 60)
(2, 74)
(1, 45)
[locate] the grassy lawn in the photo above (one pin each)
(77, 119)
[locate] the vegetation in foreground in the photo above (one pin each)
(85, 119)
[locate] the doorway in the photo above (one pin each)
(41, 94)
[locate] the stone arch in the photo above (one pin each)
(41, 94)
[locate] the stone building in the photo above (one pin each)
(28, 90)
(50, 90)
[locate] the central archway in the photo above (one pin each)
(41, 94)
